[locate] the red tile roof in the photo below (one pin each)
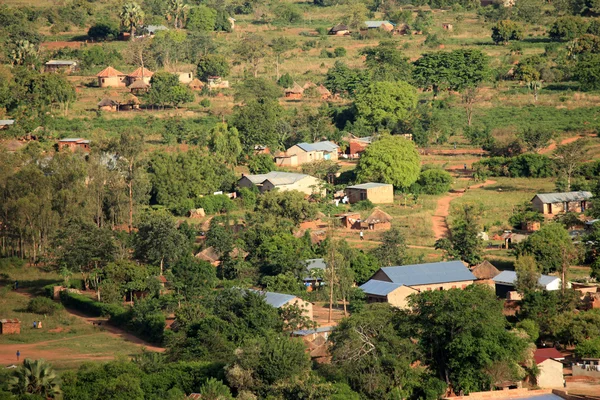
(542, 355)
(138, 73)
(109, 72)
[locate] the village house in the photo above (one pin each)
(139, 86)
(358, 145)
(110, 77)
(153, 29)
(549, 363)
(383, 25)
(107, 104)
(210, 255)
(377, 193)
(283, 181)
(302, 153)
(185, 77)
(279, 300)
(315, 268)
(73, 144)
(216, 82)
(551, 204)
(316, 342)
(140, 74)
(419, 278)
(323, 92)
(377, 221)
(196, 84)
(294, 93)
(485, 273)
(350, 220)
(505, 283)
(339, 30)
(66, 66)
(396, 294)
(10, 326)
(5, 123)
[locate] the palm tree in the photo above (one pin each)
(176, 11)
(131, 16)
(35, 377)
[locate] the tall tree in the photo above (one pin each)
(464, 242)
(280, 46)
(252, 49)
(569, 157)
(392, 250)
(528, 274)
(547, 246)
(536, 139)
(176, 10)
(385, 104)
(387, 63)
(225, 142)
(131, 17)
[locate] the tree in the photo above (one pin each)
(355, 16)
(288, 204)
(175, 11)
(435, 181)
(261, 164)
(390, 159)
(280, 46)
(193, 277)
(341, 79)
(212, 65)
(568, 158)
(528, 274)
(24, 53)
(158, 242)
(464, 242)
(547, 246)
(225, 143)
(102, 31)
(463, 338)
(536, 139)
(387, 63)
(384, 104)
(215, 390)
(587, 71)
(588, 348)
(505, 31)
(258, 123)
(392, 250)
(131, 17)
(35, 377)
(259, 89)
(252, 49)
(201, 18)
(567, 28)
(529, 11)
(165, 89)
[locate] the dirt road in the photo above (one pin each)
(439, 219)
(553, 145)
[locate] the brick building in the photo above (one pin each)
(10, 326)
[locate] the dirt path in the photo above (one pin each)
(553, 145)
(439, 219)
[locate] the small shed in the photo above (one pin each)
(505, 282)
(485, 270)
(10, 326)
(316, 342)
(73, 144)
(295, 92)
(139, 86)
(549, 363)
(395, 294)
(448, 27)
(107, 104)
(378, 220)
(339, 30)
(350, 220)
(67, 66)
(196, 84)
(131, 103)
(185, 77)
(5, 123)
(209, 254)
(377, 193)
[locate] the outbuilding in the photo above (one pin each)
(505, 282)
(294, 93)
(377, 193)
(73, 144)
(550, 366)
(66, 66)
(140, 74)
(279, 300)
(10, 326)
(339, 30)
(551, 204)
(396, 294)
(378, 220)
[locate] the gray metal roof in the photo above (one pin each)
(304, 332)
(424, 274)
(276, 178)
(551, 198)
(317, 263)
(377, 24)
(154, 28)
(379, 288)
(70, 140)
(325, 146)
(275, 299)
(61, 62)
(4, 122)
(368, 185)
(509, 278)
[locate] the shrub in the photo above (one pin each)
(435, 181)
(43, 305)
(205, 103)
(248, 198)
(213, 204)
(339, 52)
(363, 205)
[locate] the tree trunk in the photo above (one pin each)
(277, 66)
(130, 184)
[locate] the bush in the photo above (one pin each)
(91, 307)
(363, 205)
(339, 52)
(435, 181)
(205, 103)
(248, 198)
(214, 204)
(43, 305)
(49, 289)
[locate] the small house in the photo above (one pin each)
(294, 93)
(315, 268)
(66, 66)
(377, 193)
(210, 255)
(505, 282)
(551, 204)
(358, 145)
(339, 30)
(5, 123)
(431, 276)
(378, 220)
(110, 77)
(73, 144)
(131, 103)
(10, 326)
(485, 273)
(279, 300)
(549, 363)
(216, 82)
(447, 27)
(396, 294)
(308, 152)
(196, 84)
(350, 220)
(316, 342)
(383, 25)
(140, 74)
(185, 77)
(139, 86)
(153, 29)
(107, 104)
(283, 181)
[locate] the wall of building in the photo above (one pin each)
(304, 305)
(304, 185)
(185, 77)
(304, 156)
(558, 208)
(399, 297)
(551, 374)
(10, 328)
(112, 81)
(443, 286)
(291, 161)
(381, 195)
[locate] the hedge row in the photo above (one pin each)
(94, 308)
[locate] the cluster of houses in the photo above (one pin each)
(383, 26)
(296, 92)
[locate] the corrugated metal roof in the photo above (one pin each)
(326, 146)
(304, 332)
(276, 178)
(154, 28)
(4, 122)
(379, 288)
(424, 274)
(377, 24)
(61, 62)
(509, 278)
(563, 197)
(275, 299)
(368, 185)
(317, 263)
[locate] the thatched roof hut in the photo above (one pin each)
(378, 220)
(485, 270)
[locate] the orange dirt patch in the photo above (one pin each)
(552, 146)
(59, 330)
(60, 45)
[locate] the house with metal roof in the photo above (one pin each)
(279, 300)
(505, 282)
(315, 269)
(5, 123)
(302, 153)
(429, 276)
(67, 66)
(385, 25)
(551, 204)
(396, 294)
(377, 193)
(283, 181)
(73, 144)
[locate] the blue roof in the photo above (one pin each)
(304, 332)
(509, 278)
(275, 299)
(379, 288)
(326, 146)
(425, 274)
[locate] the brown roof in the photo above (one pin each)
(10, 321)
(138, 73)
(323, 90)
(296, 89)
(542, 355)
(209, 254)
(139, 84)
(196, 83)
(378, 216)
(109, 72)
(107, 102)
(237, 252)
(133, 100)
(485, 270)
(308, 84)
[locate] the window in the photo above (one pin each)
(102, 80)
(363, 195)
(441, 288)
(453, 286)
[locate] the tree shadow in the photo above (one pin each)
(537, 40)
(502, 188)
(562, 87)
